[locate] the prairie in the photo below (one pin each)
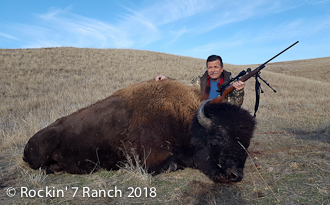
(289, 156)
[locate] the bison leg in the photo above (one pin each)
(170, 165)
(54, 168)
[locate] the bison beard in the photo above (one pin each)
(155, 118)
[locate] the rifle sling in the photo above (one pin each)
(257, 88)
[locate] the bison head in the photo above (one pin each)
(220, 134)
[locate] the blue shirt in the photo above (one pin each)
(213, 89)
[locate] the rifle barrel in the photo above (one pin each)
(281, 53)
(222, 98)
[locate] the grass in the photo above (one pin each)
(289, 159)
(134, 168)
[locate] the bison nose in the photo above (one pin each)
(234, 176)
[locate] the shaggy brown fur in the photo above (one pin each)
(155, 119)
(149, 117)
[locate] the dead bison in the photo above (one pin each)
(160, 121)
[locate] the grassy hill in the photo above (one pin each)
(289, 158)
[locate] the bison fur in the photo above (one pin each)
(156, 119)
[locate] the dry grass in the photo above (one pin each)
(134, 167)
(289, 159)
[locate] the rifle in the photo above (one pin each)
(256, 73)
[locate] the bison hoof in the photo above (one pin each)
(173, 167)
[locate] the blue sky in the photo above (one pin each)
(242, 32)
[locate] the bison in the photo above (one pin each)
(165, 121)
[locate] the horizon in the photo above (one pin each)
(273, 61)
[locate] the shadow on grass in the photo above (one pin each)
(320, 134)
(211, 193)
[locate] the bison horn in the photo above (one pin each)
(202, 119)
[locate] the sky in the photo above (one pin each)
(240, 31)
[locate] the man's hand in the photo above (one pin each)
(239, 85)
(160, 77)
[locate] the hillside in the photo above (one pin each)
(289, 154)
(315, 69)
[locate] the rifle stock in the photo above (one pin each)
(222, 98)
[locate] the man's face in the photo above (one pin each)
(214, 69)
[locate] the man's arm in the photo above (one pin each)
(160, 77)
(236, 97)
